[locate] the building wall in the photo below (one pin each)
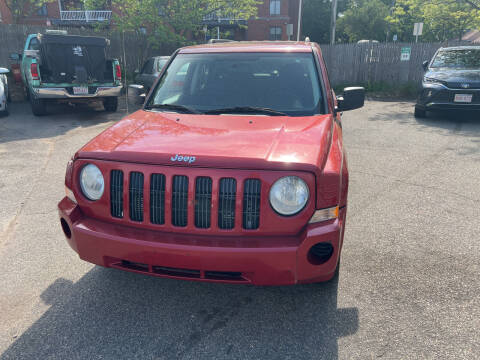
(53, 12)
(259, 28)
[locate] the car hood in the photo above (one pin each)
(220, 141)
(471, 77)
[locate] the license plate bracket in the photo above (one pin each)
(463, 98)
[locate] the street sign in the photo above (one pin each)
(405, 53)
(417, 29)
(395, 37)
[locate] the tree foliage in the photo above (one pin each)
(375, 19)
(166, 21)
(364, 21)
(443, 19)
(21, 9)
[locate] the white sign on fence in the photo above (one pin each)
(417, 29)
(405, 53)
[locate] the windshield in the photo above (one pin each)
(458, 59)
(283, 82)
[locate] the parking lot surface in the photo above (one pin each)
(408, 286)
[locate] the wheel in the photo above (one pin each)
(110, 104)
(5, 111)
(38, 106)
(419, 113)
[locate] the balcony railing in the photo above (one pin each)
(215, 18)
(86, 15)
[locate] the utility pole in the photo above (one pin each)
(299, 19)
(333, 22)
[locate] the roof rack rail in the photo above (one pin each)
(217, 41)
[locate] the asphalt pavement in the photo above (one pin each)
(408, 288)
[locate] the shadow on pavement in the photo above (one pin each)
(21, 124)
(112, 314)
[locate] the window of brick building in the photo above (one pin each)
(275, 7)
(275, 33)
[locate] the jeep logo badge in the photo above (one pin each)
(465, 86)
(183, 158)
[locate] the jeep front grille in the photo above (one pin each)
(116, 193)
(169, 196)
(136, 196)
(179, 200)
(226, 203)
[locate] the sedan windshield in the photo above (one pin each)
(458, 59)
(253, 83)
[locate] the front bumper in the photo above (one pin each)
(64, 93)
(439, 97)
(228, 259)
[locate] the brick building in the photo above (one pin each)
(272, 22)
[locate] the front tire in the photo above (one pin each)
(420, 113)
(110, 104)
(5, 111)
(39, 107)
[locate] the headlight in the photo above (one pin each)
(430, 80)
(289, 195)
(92, 182)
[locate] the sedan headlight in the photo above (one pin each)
(430, 80)
(92, 182)
(289, 195)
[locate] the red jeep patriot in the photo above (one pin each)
(233, 171)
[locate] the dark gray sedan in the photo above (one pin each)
(150, 71)
(451, 81)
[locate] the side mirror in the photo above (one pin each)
(136, 94)
(15, 57)
(4, 71)
(352, 98)
(425, 65)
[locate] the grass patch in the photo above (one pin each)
(384, 90)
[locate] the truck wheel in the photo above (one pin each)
(38, 106)
(4, 112)
(420, 113)
(110, 104)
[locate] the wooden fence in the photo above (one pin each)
(348, 64)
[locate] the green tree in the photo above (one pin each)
(316, 16)
(21, 9)
(443, 20)
(172, 20)
(364, 21)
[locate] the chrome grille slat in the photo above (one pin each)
(203, 202)
(226, 205)
(116, 193)
(157, 199)
(251, 204)
(136, 196)
(180, 200)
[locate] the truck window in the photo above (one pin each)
(148, 67)
(34, 44)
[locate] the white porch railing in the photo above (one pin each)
(86, 15)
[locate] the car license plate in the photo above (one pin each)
(80, 90)
(464, 98)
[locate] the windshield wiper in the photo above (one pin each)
(246, 110)
(178, 108)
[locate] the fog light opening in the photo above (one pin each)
(320, 253)
(66, 228)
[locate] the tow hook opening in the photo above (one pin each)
(320, 253)
(66, 228)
